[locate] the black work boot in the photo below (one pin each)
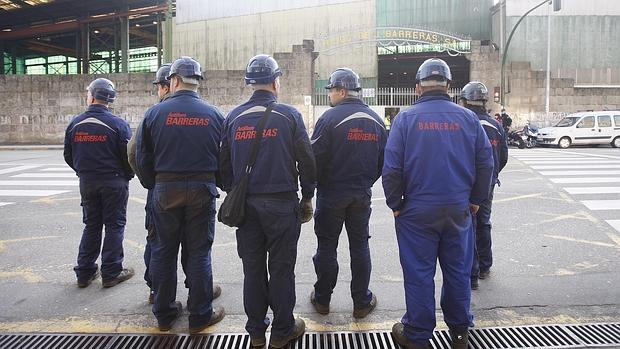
(168, 325)
(474, 283)
(320, 308)
(82, 283)
(125, 274)
(459, 339)
(484, 274)
(298, 330)
(360, 313)
(398, 332)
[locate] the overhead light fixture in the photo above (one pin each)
(154, 22)
(404, 73)
(391, 73)
(6, 30)
(96, 31)
(137, 24)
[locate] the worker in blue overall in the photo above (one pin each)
(96, 149)
(474, 97)
(267, 239)
(438, 170)
(177, 150)
(348, 144)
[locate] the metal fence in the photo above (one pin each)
(383, 96)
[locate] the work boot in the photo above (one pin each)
(474, 283)
(216, 316)
(484, 274)
(320, 308)
(360, 313)
(152, 296)
(398, 332)
(217, 291)
(82, 283)
(258, 342)
(168, 325)
(459, 339)
(298, 330)
(125, 274)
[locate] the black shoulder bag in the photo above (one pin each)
(232, 211)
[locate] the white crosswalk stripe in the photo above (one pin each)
(20, 181)
(593, 179)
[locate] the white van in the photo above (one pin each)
(594, 128)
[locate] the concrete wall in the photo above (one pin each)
(583, 37)
(228, 43)
(485, 67)
(526, 99)
(36, 109)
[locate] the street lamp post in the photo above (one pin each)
(556, 7)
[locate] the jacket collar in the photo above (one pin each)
(263, 96)
(98, 108)
(433, 96)
(184, 93)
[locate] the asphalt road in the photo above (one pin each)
(556, 252)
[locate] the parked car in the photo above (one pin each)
(589, 128)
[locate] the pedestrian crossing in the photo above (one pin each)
(23, 182)
(594, 180)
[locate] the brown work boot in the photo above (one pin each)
(298, 330)
(82, 283)
(360, 313)
(258, 342)
(320, 308)
(125, 274)
(151, 296)
(459, 339)
(398, 332)
(217, 316)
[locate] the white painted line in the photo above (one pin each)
(615, 223)
(45, 175)
(586, 180)
(573, 167)
(40, 183)
(377, 199)
(54, 169)
(598, 205)
(592, 190)
(518, 197)
(18, 168)
(19, 192)
(584, 154)
(580, 173)
(6, 203)
(552, 159)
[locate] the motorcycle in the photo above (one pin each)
(516, 138)
(530, 134)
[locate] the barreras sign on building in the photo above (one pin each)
(394, 36)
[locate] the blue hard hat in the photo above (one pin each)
(161, 77)
(433, 67)
(186, 67)
(262, 69)
(344, 78)
(102, 89)
(475, 91)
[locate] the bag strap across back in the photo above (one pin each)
(259, 136)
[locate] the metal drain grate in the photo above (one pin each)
(546, 336)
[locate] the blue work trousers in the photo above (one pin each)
(104, 202)
(149, 225)
(332, 210)
(483, 256)
(267, 246)
(183, 211)
(426, 233)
